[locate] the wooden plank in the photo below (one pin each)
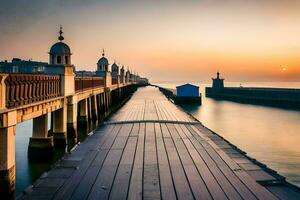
(104, 181)
(159, 114)
(209, 180)
(196, 183)
(229, 174)
(87, 158)
(182, 187)
(135, 191)
(135, 130)
(151, 186)
(166, 182)
(259, 191)
(112, 135)
(260, 175)
(170, 111)
(121, 182)
(85, 185)
(214, 163)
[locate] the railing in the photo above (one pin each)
(22, 89)
(84, 83)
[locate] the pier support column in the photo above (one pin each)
(98, 105)
(83, 113)
(89, 106)
(94, 108)
(60, 127)
(103, 99)
(40, 145)
(72, 118)
(7, 162)
(107, 103)
(101, 112)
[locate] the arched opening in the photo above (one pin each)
(66, 60)
(58, 59)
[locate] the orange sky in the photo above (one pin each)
(163, 40)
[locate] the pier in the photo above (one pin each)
(71, 101)
(278, 97)
(151, 149)
(34, 91)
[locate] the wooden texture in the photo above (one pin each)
(150, 149)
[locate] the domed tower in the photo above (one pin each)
(60, 52)
(115, 69)
(122, 74)
(127, 75)
(102, 65)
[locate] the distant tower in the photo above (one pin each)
(127, 75)
(115, 69)
(102, 65)
(218, 83)
(60, 53)
(122, 71)
(122, 74)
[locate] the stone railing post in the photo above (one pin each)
(108, 79)
(118, 79)
(68, 81)
(3, 91)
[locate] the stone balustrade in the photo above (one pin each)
(84, 83)
(22, 89)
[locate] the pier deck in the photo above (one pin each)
(150, 149)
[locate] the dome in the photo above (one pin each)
(114, 66)
(60, 48)
(103, 61)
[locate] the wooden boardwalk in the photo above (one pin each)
(150, 149)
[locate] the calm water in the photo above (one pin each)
(271, 135)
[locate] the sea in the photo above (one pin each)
(269, 134)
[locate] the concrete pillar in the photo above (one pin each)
(40, 145)
(103, 104)
(60, 127)
(68, 81)
(94, 109)
(89, 106)
(7, 162)
(108, 79)
(83, 112)
(98, 105)
(109, 94)
(101, 107)
(72, 118)
(107, 104)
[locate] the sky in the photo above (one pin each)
(164, 40)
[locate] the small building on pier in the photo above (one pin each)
(187, 93)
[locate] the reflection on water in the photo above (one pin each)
(271, 135)
(27, 171)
